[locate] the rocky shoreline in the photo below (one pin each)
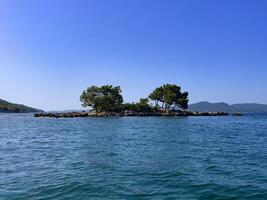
(127, 114)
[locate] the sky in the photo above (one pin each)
(51, 50)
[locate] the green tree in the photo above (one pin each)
(143, 105)
(129, 106)
(157, 96)
(102, 99)
(182, 101)
(170, 96)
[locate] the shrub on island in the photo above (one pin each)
(108, 98)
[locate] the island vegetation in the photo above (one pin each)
(107, 100)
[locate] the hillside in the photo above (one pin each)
(224, 107)
(251, 107)
(7, 107)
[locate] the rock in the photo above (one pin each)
(237, 114)
(129, 113)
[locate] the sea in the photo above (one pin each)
(223, 157)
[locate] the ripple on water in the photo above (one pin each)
(133, 158)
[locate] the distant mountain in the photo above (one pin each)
(211, 107)
(224, 107)
(7, 107)
(251, 107)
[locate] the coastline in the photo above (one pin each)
(131, 114)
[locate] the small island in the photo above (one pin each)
(106, 101)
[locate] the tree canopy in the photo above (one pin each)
(141, 106)
(170, 97)
(102, 99)
(108, 98)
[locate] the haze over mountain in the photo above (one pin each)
(224, 107)
(7, 107)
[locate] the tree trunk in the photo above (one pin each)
(168, 108)
(165, 107)
(156, 103)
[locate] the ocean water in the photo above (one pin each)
(133, 157)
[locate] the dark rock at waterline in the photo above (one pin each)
(127, 113)
(237, 114)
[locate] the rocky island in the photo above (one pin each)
(127, 114)
(107, 101)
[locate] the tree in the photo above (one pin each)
(157, 95)
(102, 99)
(143, 105)
(182, 102)
(129, 106)
(170, 96)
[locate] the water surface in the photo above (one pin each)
(133, 157)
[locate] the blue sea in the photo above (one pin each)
(133, 158)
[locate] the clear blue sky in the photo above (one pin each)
(51, 50)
